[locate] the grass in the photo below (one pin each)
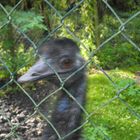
(114, 120)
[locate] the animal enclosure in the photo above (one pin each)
(62, 73)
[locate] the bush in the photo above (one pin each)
(15, 49)
(121, 55)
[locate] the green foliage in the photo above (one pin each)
(112, 119)
(29, 22)
(119, 52)
(14, 63)
(12, 49)
(118, 56)
(133, 30)
(85, 23)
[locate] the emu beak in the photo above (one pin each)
(38, 71)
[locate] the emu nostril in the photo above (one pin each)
(35, 74)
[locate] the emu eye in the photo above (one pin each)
(66, 63)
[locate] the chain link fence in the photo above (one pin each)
(13, 133)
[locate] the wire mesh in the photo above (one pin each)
(13, 134)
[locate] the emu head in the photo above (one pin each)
(59, 56)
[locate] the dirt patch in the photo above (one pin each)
(16, 119)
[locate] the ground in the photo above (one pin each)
(16, 109)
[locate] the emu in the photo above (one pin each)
(64, 56)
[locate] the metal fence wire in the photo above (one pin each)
(12, 133)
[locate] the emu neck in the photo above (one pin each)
(77, 89)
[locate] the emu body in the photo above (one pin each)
(62, 55)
